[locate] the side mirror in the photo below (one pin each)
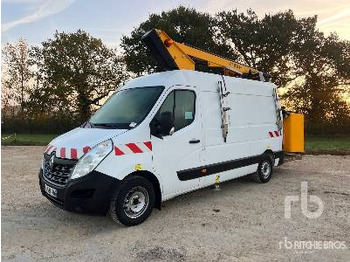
(155, 128)
(163, 125)
(166, 120)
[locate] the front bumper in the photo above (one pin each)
(89, 194)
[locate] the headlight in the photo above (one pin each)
(91, 159)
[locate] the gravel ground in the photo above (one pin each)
(244, 221)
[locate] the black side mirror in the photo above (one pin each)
(162, 125)
(156, 128)
(166, 120)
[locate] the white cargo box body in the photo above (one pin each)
(195, 155)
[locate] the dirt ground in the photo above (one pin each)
(244, 221)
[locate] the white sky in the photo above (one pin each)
(37, 20)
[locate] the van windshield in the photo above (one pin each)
(126, 108)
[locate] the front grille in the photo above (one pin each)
(59, 171)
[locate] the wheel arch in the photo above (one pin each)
(270, 153)
(155, 182)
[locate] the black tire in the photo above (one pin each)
(129, 197)
(265, 170)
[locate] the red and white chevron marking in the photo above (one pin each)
(49, 149)
(69, 153)
(133, 148)
(274, 134)
(119, 150)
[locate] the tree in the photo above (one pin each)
(16, 74)
(315, 68)
(265, 44)
(8, 104)
(76, 71)
(183, 25)
(323, 63)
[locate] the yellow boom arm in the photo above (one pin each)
(173, 55)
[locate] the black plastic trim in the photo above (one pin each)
(211, 169)
(88, 194)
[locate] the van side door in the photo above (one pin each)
(177, 140)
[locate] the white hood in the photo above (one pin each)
(75, 143)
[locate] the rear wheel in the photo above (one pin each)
(264, 171)
(133, 202)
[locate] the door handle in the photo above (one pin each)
(194, 141)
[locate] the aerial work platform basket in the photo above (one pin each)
(293, 133)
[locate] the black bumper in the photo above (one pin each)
(89, 194)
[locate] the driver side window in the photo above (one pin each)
(177, 111)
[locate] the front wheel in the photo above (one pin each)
(265, 170)
(133, 202)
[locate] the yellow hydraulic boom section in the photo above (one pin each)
(173, 55)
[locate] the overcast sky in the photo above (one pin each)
(37, 20)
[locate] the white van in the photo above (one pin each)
(160, 136)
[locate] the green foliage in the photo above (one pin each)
(76, 71)
(265, 44)
(183, 25)
(323, 79)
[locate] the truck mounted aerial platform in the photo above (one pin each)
(172, 55)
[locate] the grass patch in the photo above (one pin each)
(313, 144)
(327, 145)
(26, 139)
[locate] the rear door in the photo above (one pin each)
(181, 150)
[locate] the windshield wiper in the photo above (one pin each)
(112, 125)
(87, 124)
(105, 125)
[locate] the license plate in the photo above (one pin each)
(51, 191)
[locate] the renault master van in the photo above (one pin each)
(160, 136)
